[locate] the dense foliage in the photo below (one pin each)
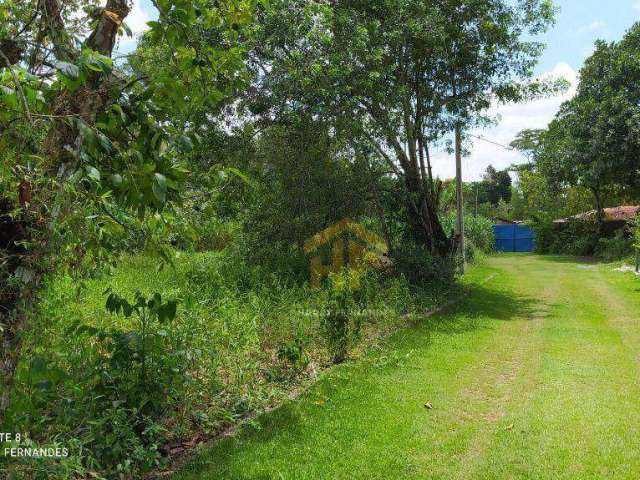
(588, 156)
(154, 206)
(240, 342)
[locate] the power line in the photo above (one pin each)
(511, 149)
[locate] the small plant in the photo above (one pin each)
(336, 324)
(293, 354)
(143, 348)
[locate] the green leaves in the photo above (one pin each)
(69, 70)
(93, 173)
(152, 306)
(167, 311)
(17, 86)
(116, 180)
(159, 187)
(116, 304)
(185, 143)
(95, 62)
(89, 64)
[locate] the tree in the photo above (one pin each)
(594, 142)
(83, 140)
(304, 183)
(496, 186)
(528, 141)
(395, 76)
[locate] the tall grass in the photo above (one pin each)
(244, 338)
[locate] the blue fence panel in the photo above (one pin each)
(504, 237)
(525, 239)
(514, 238)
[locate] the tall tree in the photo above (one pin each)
(496, 185)
(395, 75)
(594, 141)
(84, 138)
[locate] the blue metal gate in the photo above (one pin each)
(514, 238)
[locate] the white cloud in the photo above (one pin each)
(512, 119)
(140, 14)
(637, 5)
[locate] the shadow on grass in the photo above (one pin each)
(482, 303)
(250, 455)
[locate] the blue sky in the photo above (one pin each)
(579, 24)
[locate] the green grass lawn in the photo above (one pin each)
(533, 375)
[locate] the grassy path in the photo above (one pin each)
(534, 375)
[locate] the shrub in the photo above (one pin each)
(478, 231)
(133, 375)
(574, 237)
(420, 267)
(616, 248)
(544, 230)
(337, 325)
(581, 238)
(139, 362)
(469, 251)
(292, 353)
(108, 403)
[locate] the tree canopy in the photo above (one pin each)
(395, 76)
(593, 141)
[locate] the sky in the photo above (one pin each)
(579, 23)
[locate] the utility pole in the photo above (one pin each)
(475, 214)
(460, 219)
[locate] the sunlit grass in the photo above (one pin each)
(533, 375)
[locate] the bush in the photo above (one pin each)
(243, 340)
(616, 248)
(574, 237)
(545, 233)
(478, 232)
(420, 267)
(581, 238)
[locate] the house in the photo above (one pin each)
(622, 214)
(506, 221)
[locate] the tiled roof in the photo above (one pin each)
(625, 212)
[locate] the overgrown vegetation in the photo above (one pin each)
(126, 385)
(584, 238)
(154, 284)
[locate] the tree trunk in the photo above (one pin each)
(423, 217)
(92, 98)
(12, 318)
(599, 210)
